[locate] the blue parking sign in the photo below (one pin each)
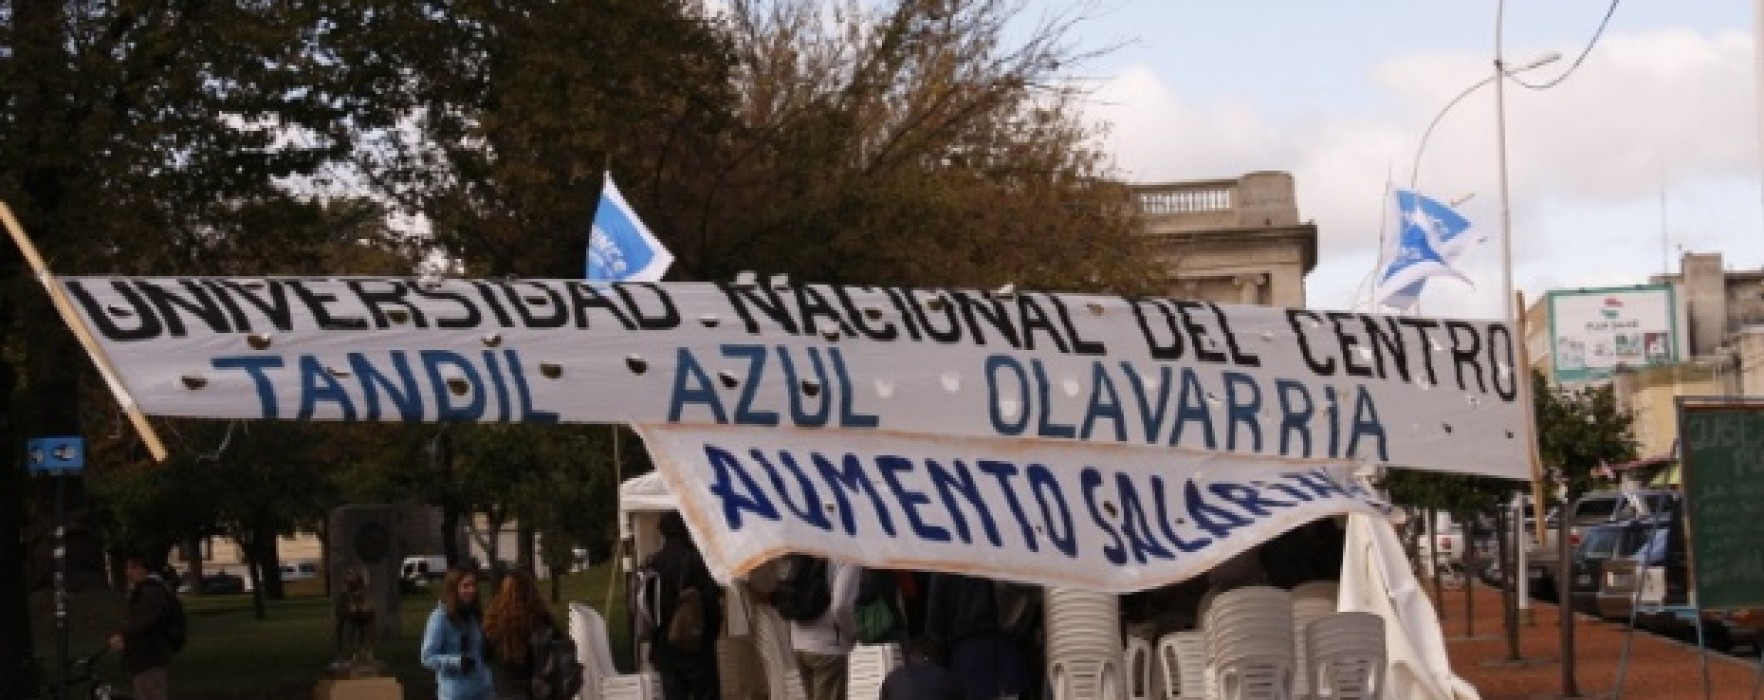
(64, 454)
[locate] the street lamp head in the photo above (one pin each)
(1540, 62)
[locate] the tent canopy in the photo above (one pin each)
(642, 501)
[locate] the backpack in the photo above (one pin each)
(686, 627)
(173, 626)
(803, 594)
(876, 617)
(557, 674)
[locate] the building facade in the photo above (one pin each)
(1720, 326)
(1235, 241)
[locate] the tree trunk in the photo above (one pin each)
(1509, 602)
(524, 543)
(269, 562)
(1433, 558)
(1565, 600)
(193, 558)
(450, 535)
(1470, 573)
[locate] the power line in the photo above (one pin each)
(1597, 33)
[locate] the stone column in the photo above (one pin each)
(1249, 288)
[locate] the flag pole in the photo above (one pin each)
(155, 447)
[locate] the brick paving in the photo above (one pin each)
(1659, 668)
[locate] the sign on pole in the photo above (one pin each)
(64, 454)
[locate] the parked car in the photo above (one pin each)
(1446, 535)
(299, 571)
(221, 583)
(417, 572)
(1599, 545)
(1660, 568)
(1657, 567)
(1591, 509)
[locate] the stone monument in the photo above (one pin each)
(364, 559)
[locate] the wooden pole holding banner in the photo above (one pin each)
(1537, 491)
(155, 447)
(1522, 382)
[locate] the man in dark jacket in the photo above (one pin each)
(142, 640)
(686, 673)
(963, 618)
(922, 677)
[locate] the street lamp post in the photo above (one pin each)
(1415, 168)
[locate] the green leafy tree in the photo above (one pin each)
(135, 134)
(1580, 429)
(919, 142)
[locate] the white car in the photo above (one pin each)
(299, 571)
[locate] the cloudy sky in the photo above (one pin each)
(1649, 148)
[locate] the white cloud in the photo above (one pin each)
(1666, 115)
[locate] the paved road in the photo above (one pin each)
(1659, 668)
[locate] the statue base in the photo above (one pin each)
(355, 670)
(381, 688)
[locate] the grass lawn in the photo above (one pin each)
(231, 655)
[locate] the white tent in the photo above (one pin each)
(1375, 578)
(642, 501)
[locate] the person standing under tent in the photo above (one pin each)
(822, 644)
(963, 616)
(922, 677)
(688, 670)
(453, 640)
(517, 616)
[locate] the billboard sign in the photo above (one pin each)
(1595, 331)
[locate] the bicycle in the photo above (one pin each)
(81, 672)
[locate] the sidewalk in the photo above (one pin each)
(1659, 668)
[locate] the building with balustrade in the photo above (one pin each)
(1236, 241)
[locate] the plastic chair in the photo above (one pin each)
(1347, 656)
(1253, 677)
(1248, 632)
(601, 679)
(1086, 679)
(1182, 665)
(771, 638)
(1138, 662)
(1082, 624)
(1310, 602)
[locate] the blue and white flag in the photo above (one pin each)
(1430, 238)
(620, 247)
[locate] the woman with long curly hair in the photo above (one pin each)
(453, 641)
(517, 618)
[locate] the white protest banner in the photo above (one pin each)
(1099, 517)
(1292, 383)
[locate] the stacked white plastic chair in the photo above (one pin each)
(1140, 660)
(1084, 645)
(771, 638)
(1310, 601)
(1140, 667)
(1347, 656)
(1250, 645)
(1182, 665)
(601, 679)
(867, 666)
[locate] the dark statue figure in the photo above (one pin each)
(355, 632)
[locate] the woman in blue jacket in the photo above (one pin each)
(453, 641)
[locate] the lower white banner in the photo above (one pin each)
(1115, 518)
